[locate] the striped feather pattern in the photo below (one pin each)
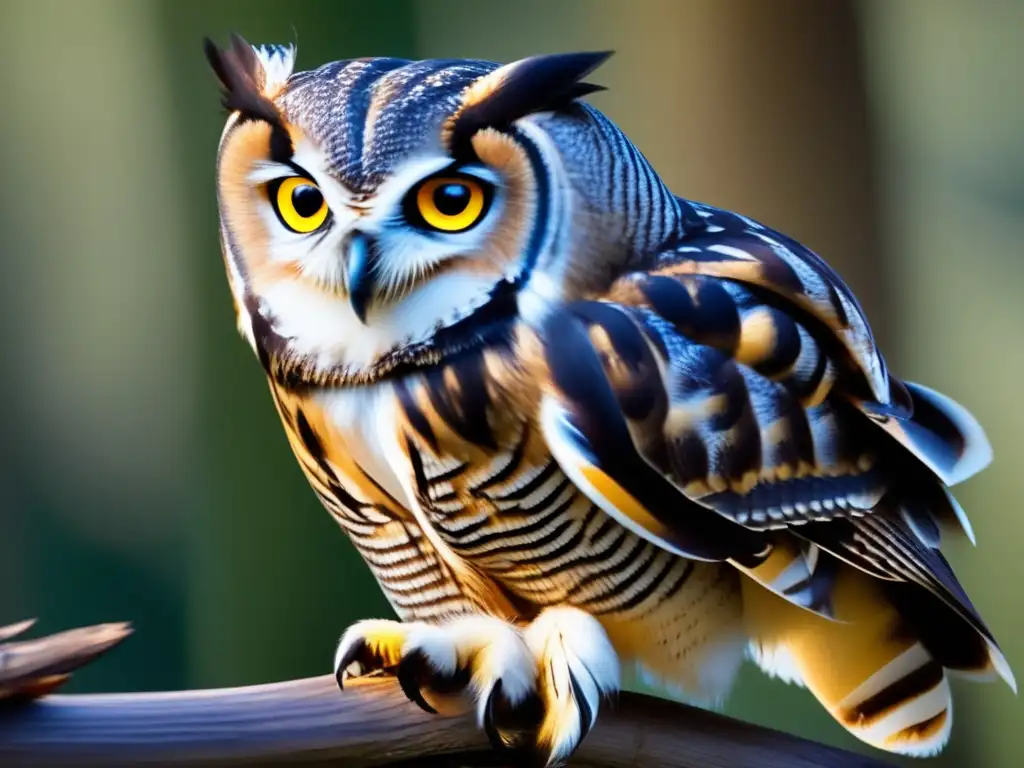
(602, 159)
(497, 499)
(867, 669)
(500, 501)
(417, 581)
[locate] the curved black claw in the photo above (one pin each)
(413, 671)
(515, 737)
(360, 652)
(513, 730)
(495, 736)
(416, 673)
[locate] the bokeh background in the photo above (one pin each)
(143, 474)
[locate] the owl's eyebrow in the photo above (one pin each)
(266, 171)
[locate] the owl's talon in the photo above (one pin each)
(514, 736)
(578, 667)
(412, 672)
(345, 661)
(497, 736)
(537, 689)
(494, 736)
(371, 645)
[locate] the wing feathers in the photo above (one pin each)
(953, 423)
(605, 407)
(585, 426)
(738, 249)
(726, 405)
(796, 571)
(788, 502)
(937, 430)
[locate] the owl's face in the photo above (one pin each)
(378, 213)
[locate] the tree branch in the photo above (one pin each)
(32, 668)
(310, 723)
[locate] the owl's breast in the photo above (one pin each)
(363, 425)
(467, 460)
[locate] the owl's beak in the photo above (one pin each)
(359, 263)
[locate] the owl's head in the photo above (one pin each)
(380, 213)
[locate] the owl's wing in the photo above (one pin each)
(787, 275)
(727, 404)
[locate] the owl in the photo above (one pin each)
(585, 433)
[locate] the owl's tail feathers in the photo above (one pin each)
(879, 676)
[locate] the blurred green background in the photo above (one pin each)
(144, 475)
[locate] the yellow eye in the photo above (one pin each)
(450, 204)
(299, 204)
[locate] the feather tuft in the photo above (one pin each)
(244, 83)
(278, 62)
(511, 92)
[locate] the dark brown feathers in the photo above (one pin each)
(242, 81)
(532, 85)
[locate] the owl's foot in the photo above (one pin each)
(436, 663)
(576, 666)
(536, 690)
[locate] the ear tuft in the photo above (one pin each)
(240, 74)
(515, 90)
(246, 87)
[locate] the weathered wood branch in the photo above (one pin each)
(32, 668)
(310, 723)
